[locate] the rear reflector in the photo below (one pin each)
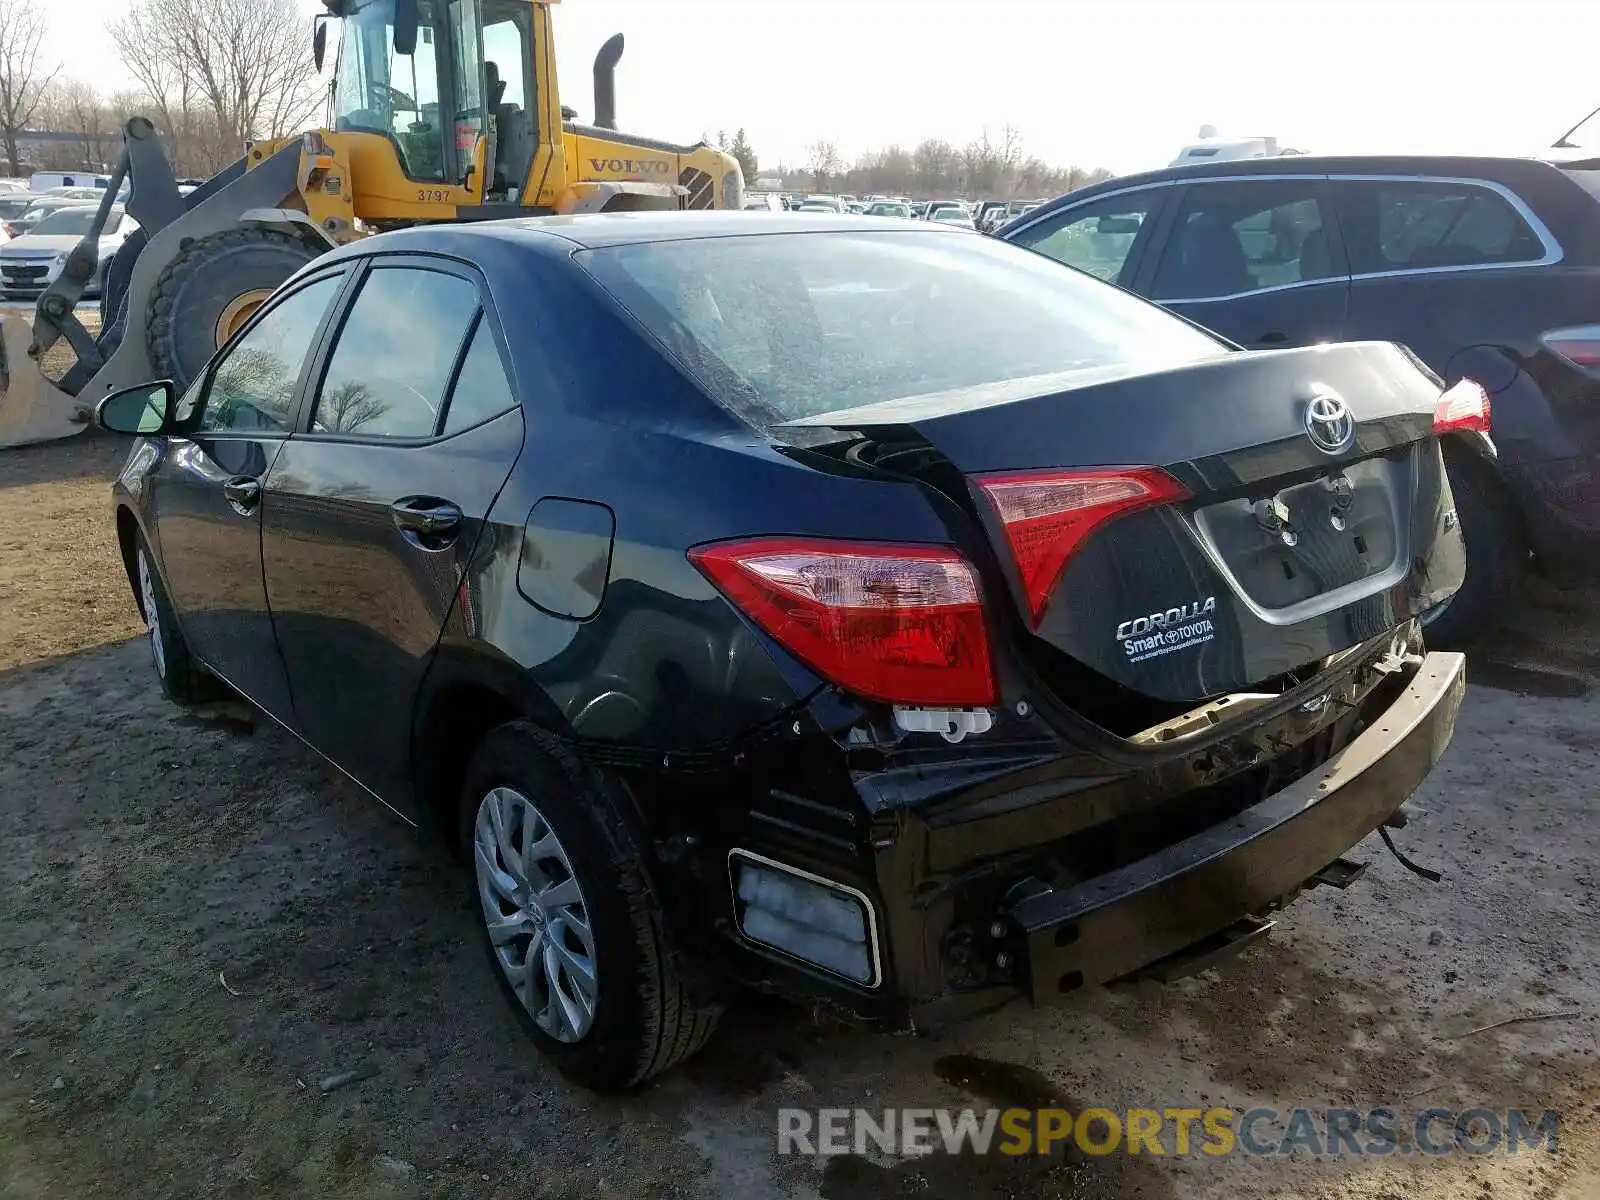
(1048, 514)
(1464, 407)
(802, 914)
(892, 622)
(1579, 345)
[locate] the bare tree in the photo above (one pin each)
(221, 71)
(823, 161)
(23, 78)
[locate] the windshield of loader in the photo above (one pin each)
(398, 95)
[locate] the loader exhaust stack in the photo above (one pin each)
(605, 82)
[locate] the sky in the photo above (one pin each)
(1118, 85)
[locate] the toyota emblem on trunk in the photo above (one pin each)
(1329, 424)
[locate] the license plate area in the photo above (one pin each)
(1287, 546)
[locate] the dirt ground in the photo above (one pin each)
(202, 925)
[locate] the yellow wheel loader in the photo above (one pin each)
(439, 110)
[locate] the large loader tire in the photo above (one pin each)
(210, 289)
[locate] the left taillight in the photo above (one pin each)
(1048, 515)
(893, 622)
(1463, 407)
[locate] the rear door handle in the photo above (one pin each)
(243, 493)
(426, 521)
(1275, 338)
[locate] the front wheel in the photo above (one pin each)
(184, 680)
(574, 930)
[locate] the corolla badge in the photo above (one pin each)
(1329, 424)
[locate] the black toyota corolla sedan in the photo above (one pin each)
(859, 611)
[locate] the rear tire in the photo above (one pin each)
(1497, 557)
(638, 1017)
(196, 288)
(183, 679)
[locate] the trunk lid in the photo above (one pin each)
(1313, 512)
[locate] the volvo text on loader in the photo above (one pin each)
(439, 110)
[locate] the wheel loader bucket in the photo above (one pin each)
(32, 409)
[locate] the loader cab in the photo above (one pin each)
(433, 76)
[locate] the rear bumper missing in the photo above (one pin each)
(1117, 923)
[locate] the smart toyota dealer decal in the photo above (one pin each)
(1163, 632)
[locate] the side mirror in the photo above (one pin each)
(319, 41)
(145, 409)
(405, 27)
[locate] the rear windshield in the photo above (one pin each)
(1588, 180)
(782, 326)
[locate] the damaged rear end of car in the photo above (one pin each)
(1160, 673)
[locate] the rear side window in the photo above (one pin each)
(1234, 238)
(1401, 225)
(481, 390)
(781, 326)
(394, 356)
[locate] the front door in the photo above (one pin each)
(206, 494)
(1258, 261)
(373, 509)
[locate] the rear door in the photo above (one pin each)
(1441, 264)
(206, 492)
(373, 509)
(1256, 260)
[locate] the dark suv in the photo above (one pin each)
(1487, 268)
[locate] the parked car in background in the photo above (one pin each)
(763, 202)
(45, 181)
(39, 207)
(1487, 268)
(726, 586)
(888, 208)
(13, 185)
(952, 215)
(816, 204)
(31, 262)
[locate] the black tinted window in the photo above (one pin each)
(481, 390)
(252, 389)
(1400, 225)
(1232, 238)
(1096, 237)
(387, 374)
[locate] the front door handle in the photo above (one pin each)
(426, 521)
(1275, 337)
(243, 493)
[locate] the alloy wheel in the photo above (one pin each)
(535, 914)
(152, 618)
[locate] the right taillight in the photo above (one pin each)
(898, 623)
(1047, 515)
(1463, 407)
(1579, 345)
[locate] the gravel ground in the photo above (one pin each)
(204, 925)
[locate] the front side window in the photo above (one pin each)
(1097, 237)
(1399, 225)
(1234, 238)
(783, 326)
(253, 386)
(397, 95)
(387, 374)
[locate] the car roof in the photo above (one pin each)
(560, 236)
